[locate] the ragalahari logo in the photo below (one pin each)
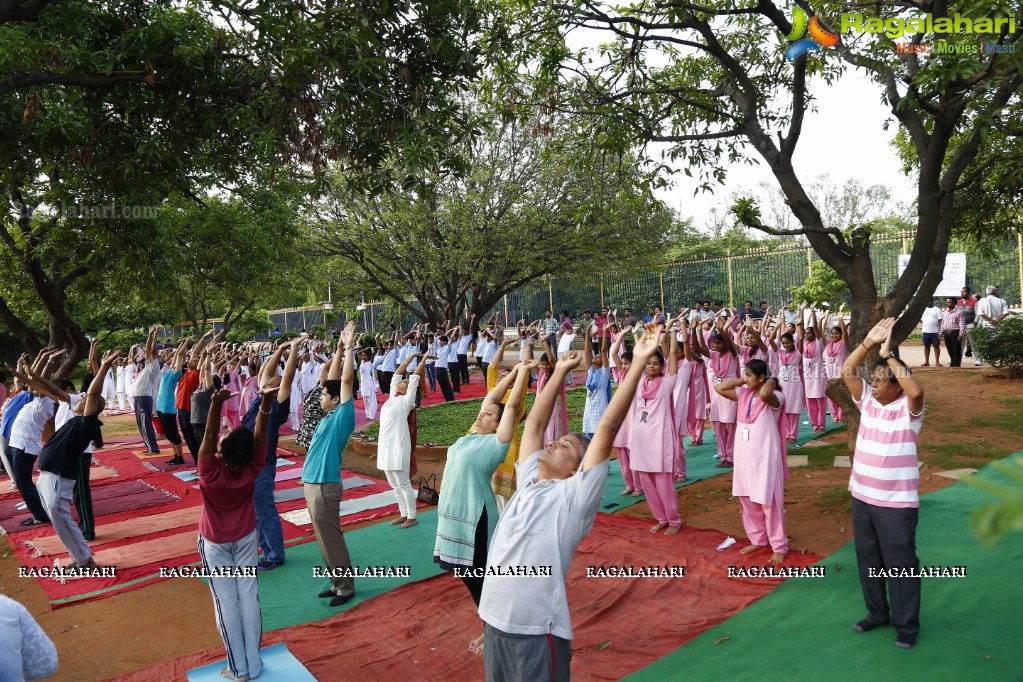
(820, 36)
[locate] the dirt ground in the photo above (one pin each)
(973, 416)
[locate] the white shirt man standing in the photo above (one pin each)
(930, 322)
(990, 310)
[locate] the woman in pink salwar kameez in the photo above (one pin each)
(758, 479)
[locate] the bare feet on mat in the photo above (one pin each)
(751, 549)
(627, 491)
(409, 523)
(637, 493)
(658, 528)
(672, 530)
(399, 521)
(722, 465)
(680, 478)
(778, 557)
(476, 646)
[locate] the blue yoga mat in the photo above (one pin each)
(279, 665)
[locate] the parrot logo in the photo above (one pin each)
(819, 35)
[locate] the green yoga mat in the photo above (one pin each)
(287, 594)
(969, 627)
(700, 465)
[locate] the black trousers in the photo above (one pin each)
(484, 366)
(885, 538)
(463, 367)
(144, 421)
(455, 374)
(83, 496)
(385, 382)
(185, 422)
(23, 463)
(479, 559)
(445, 385)
(955, 348)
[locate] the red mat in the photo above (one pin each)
(620, 624)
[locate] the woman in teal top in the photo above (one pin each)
(467, 512)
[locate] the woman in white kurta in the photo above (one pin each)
(394, 447)
(367, 386)
(815, 381)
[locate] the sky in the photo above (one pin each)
(849, 110)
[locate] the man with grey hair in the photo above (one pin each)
(528, 634)
(990, 310)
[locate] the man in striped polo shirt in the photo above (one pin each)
(884, 483)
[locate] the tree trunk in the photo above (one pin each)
(28, 337)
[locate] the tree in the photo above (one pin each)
(527, 208)
(229, 255)
(121, 104)
(708, 80)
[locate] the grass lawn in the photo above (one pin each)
(445, 423)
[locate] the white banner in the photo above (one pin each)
(952, 280)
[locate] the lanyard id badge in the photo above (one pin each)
(745, 433)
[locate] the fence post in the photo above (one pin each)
(731, 296)
(662, 292)
(550, 292)
(506, 310)
(809, 262)
(905, 246)
(372, 320)
(1019, 256)
(601, 289)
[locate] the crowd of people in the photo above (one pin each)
(955, 320)
(507, 500)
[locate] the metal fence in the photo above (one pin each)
(758, 275)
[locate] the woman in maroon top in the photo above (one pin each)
(227, 532)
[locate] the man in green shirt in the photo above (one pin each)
(321, 473)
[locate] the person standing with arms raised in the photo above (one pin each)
(528, 630)
(884, 484)
(321, 472)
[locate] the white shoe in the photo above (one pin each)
(978, 363)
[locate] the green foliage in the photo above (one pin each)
(992, 522)
(251, 323)
(537, 200)
(121, 338)
(445, 423)
(1002, 346)
(823, 284)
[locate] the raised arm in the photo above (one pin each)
(673, 353)
(92, 397)
(850, 370)
(841, 325)
(611, 421)
(269, 370)
(799, 325)
(211, 436)
(687, 347)
(509, 418)
(151, 345)
(543, 406)
(614, 347)
(727, 388)
(348, 371)
(500, 388)
(180, 352)
(289, 369)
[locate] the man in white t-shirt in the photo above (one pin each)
(528, 633)
(990, 310)
(930, 323)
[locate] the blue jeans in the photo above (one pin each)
(268, 521)
(431, 375)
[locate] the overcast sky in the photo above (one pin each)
(848, 123)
